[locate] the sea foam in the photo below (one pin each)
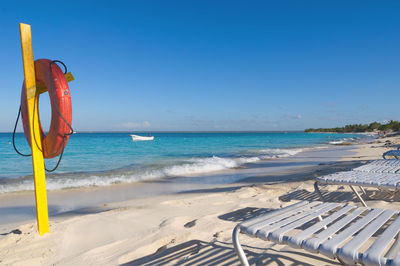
(186, 167)
(279, 153)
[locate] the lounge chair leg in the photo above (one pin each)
(364, 192)
(358, 196)
(318, 191)
(238, 247)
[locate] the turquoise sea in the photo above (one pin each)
(100, 159)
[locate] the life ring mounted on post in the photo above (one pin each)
(49, 77)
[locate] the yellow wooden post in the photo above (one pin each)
(33, 112)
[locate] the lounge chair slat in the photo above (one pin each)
(263, 231)
(329, 248)
(253, 225)
(314, 243)
(349, 252)
(373, 255)
(275, 213)
(277, 235)
(297, 240)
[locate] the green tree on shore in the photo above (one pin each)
(392, 125)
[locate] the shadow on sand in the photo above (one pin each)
(335, 196)
(197, 252)
(244, 214)
(306, 173)
(341, 195)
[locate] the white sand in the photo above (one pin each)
(182, 228)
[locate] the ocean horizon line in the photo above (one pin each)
(181, 131)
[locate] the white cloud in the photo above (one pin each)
(136, 125)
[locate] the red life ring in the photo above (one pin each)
(55, 83)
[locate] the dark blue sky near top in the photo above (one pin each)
(211, 65)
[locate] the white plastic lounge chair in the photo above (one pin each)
(336, 230)
(381, 174)
(361, 179)
(381, 166)
(394, 153)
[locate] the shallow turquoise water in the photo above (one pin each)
(95, 159)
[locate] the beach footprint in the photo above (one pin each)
(190, 224)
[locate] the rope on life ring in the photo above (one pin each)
(49, 77)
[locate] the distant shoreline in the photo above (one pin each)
(374, 127)
(359, 133)
(156, 131)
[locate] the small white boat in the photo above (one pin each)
(141, 138)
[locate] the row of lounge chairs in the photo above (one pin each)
(337, 230)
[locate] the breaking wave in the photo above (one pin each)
(183, 167)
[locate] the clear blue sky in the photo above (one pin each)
(211, 65)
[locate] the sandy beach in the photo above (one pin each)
(148, 132)
(164, 223)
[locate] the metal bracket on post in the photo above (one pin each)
(37, 155)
